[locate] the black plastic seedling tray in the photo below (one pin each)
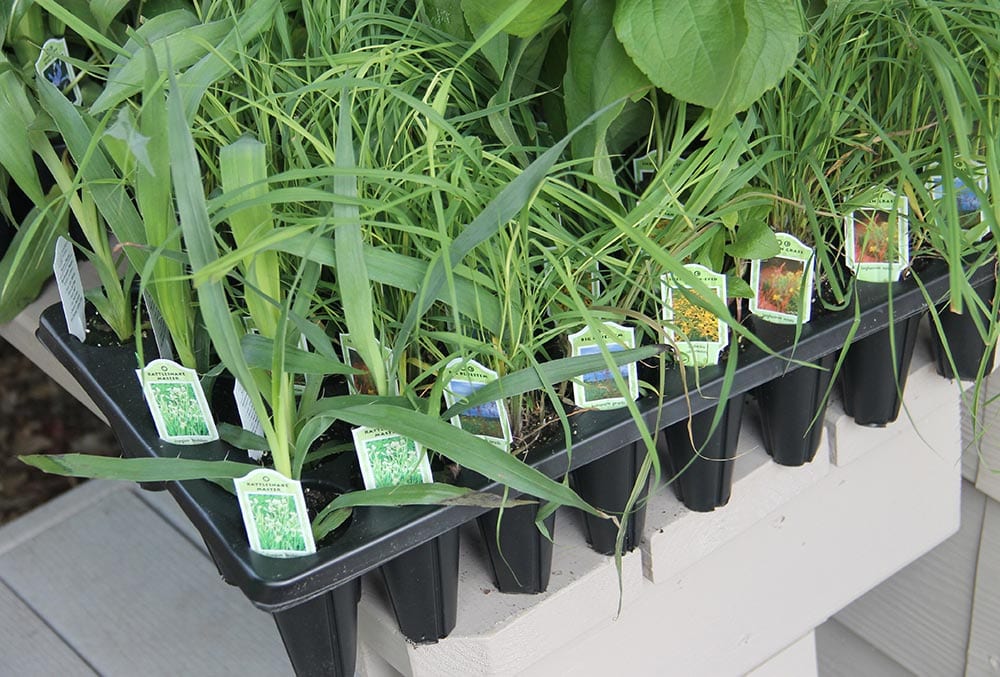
(377, 535)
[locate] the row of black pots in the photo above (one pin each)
(320, 592)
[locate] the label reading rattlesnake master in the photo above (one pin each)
(53, 65)
(70, 288)
(388, 459)
(598, 389)
(877, 236)
(698, 334)
(177, 403)
(488, 420)
(782, 285)
(274, 514)
(248, 417)
(969, 176)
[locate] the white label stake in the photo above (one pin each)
(70, 288)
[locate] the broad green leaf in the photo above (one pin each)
(352, 272)
(243, 166)
(446, 15)
(124, 130)
(467, 450)
(28, 262)
(16, 156)
(105, 11)
(688, 48)
(79, 24)
(258, 351)
(525, 24)
(199, 239)
(176, 33)
(754, 240)
(136, 469)
(593, 53)
(720, 54)
(774, 29)
(435, 493)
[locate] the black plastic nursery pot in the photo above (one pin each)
(967, 347)
(791, 406)
(607, 484)
(423, 588)
(868, 378)
(291, 589)
(700, 458)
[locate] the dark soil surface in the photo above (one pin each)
(38, 416)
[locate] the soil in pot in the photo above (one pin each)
(872, 394)
(702, 472)
(607, 484)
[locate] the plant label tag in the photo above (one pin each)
(70, 288)
(488, 420)
(53, 65)
(389, 459)
(782, 285)
(161, 334)
(598, 389)
(970, 181)
(177, 403)
(877, 234)
(362, 384)
(644, 169)
(248, 417)
(274, 514)
(697, 334)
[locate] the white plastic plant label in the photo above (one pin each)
(489, 420)
(877, 234)
(644, 168)
(362, 384)
(968, 204)
(782, 285)
(70, 287)
(53, 65)
(274, 514)
(161, 334)
(248, 417)
(177, 403)
(389, 459)
(698, 335)
(598, 389)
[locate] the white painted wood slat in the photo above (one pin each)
(841, 653)
(920, 616)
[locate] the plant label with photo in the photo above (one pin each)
(248, 417)
(70, 287)
(161, 334)
(274, 514)
(389, 459)
(489, 420)
(177, 403)
(968, 203)
(877, 234)
(782, 285)
(362, 384)
(697, 333)
(598, 389)
(53, 65)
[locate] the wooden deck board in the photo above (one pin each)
(29, 646)
(132, 595)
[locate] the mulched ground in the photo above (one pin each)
(38, 416)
